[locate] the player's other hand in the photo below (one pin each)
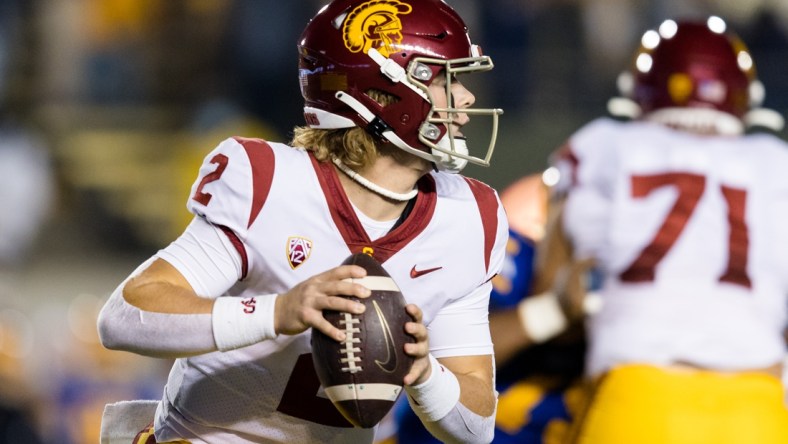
(420, 349)
(571, 286)
(302, 307)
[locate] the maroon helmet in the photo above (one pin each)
(398, 47)
(693, 74)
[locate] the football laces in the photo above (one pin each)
(350, 360)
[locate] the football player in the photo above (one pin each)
(538, 335)
(683, 212)
(236, 297)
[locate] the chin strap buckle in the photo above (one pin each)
(377, 127)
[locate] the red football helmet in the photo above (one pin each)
(397, 47)
(695, 75)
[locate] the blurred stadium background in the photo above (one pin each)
(108, 106)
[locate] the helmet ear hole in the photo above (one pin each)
(383, 98)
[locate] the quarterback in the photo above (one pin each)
(235, 298)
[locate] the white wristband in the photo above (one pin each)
(238, 322)
(592, 303)
(542, 317)
(436, 397)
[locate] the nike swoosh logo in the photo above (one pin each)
(390, 364)
(414, 273)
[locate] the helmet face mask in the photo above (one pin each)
(353, 47)
(437, 131)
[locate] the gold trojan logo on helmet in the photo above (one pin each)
(375, 24)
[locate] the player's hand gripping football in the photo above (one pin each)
(420, 370)
(302, 307)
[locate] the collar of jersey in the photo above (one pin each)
(350, 227)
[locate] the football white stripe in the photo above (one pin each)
(383, 392)
(377, 283)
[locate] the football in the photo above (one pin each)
(363, 375)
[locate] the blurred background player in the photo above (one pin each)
(537, 331)
(235, 297)
(684, 214)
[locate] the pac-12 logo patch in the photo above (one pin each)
(298, 250)
(375, 24)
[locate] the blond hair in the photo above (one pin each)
(354, 147)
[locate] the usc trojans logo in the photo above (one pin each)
(375, 24)
(680, 88)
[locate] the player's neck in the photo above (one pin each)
(363, 188)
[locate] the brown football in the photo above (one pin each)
(363, 374)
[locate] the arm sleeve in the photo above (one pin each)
(437, 404)
(209, 263)
(462, 426)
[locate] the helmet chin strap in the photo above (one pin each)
(366, 183)
(444, 161)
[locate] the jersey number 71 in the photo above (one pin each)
(690, 189)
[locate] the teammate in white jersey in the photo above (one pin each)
(685, 215)
(236, 296)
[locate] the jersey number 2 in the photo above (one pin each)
(690, 189)
(221, 164)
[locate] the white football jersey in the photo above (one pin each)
(289, 219)
(691, 234)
